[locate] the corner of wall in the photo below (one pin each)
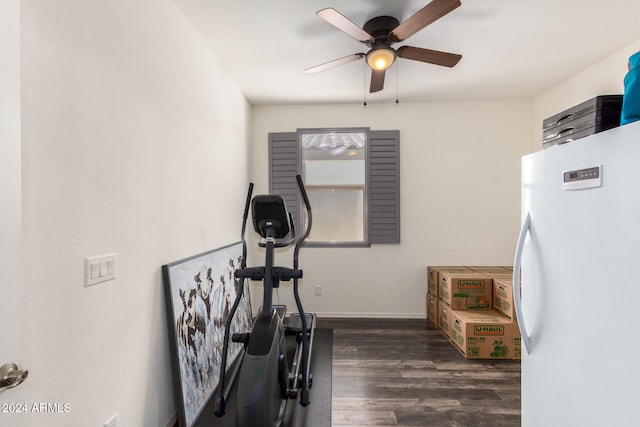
(605, 77)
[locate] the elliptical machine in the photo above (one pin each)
(265, 381)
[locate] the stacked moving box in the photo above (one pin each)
(473, 307)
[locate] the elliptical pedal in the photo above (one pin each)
(294, 325)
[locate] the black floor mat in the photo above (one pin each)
(317, 414)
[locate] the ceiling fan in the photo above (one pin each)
(381, 32)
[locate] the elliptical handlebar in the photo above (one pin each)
(220, 405)
(305, 377)
(243, 262)
(307, 230)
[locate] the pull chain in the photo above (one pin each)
(397, 72)
(364, 80)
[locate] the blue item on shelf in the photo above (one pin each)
(631, 100)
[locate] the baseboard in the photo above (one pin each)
(365, 315)
(173, 421)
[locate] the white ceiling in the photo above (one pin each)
(510, 48)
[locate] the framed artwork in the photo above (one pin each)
(199, 292)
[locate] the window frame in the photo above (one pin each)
(365, 208)
(382, 182)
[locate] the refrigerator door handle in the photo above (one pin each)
(517, 301)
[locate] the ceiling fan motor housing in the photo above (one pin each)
(379, 28)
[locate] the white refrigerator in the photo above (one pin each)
(579, 304)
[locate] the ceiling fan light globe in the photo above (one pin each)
(381, 59)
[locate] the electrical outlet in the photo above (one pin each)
(317, 290)
(99, 269)
(112, 422)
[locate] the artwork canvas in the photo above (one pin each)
(200, 292)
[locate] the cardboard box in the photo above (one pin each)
(433, 276)
(485, 335)
(488, 269)
(466, 291)
(503, 298)
(444, 318)
(501, 276)
(432, 309)
(432, 280)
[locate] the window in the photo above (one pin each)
(352, 177)
(333, 169)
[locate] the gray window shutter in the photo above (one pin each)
(384, 186)
(284, 165)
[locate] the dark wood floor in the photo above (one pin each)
(390, 372)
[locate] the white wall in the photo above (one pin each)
(606, 77)
(460, 199)
(134, 142)
(12, 328)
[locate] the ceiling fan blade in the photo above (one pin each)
(425, 16)
(377, 80)
(344, 24)
(437, 57)
(334, 63)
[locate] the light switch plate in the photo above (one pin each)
(99, 269)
